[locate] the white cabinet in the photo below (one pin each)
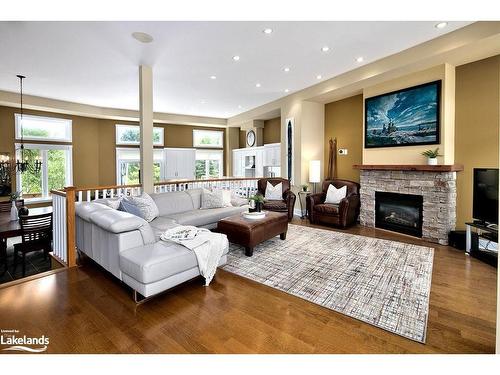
(179, 163)
(272, 155)
(238, 163)
(259, 162)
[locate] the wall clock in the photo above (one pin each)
(251, 138)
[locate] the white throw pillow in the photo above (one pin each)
(274, 193)
(334, 195)
(212, 199)
(143, 206)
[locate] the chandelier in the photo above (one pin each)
(25, 161)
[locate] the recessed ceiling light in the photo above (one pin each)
(319, 76)
(286, 90)
(213, 77)
(441, 25)
(239, 107)
(142, 37)
(236, 58)
(203, 101)
(325, 49)
(267, 31)
(257, 85)
(286, 69)
(359, 59)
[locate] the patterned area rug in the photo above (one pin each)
(384, 283)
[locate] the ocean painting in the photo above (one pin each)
(405, 117)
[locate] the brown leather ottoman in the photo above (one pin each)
(250, 233)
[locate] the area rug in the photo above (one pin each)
(380, 282)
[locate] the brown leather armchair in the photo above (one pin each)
(342, 215)
(286, 205)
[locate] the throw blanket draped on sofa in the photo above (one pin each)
(207, 246)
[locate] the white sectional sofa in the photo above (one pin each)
(130, 248)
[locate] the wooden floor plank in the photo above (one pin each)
(86, 310)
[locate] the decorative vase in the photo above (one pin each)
(304, 188)
(432, 161)
(23, 210)
(13, 212)
(258, 206)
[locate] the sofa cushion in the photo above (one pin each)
(275, 205)
(113, 203)
(85, 209)
(334, 195)
(173, 202)
(274, 192)
(143, 206)
(117, 221)
(327, 208)
(161, 224)
(151, 263)
(205, 217)
(195, 195)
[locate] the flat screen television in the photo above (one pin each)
(485, 196)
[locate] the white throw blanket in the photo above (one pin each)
(207, 246)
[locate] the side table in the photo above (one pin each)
(302, 200)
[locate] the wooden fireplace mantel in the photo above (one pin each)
(410, 167)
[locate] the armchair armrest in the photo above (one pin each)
(311, 200)
(349, 209)
(289, 197)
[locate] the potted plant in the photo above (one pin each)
(431, 156)
(304, 187)
(256, 202)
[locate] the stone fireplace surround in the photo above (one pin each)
(436, 184)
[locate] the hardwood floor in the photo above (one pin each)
(86, 310)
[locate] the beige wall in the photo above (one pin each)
(272, 130)
(344, 121)
(412, 154)
(477, 126)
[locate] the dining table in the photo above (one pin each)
(12, 228)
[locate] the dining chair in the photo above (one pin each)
(36, 236)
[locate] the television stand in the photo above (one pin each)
(490, 234)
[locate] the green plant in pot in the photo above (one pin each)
(256, 202)
(432, 156)
(304, 187)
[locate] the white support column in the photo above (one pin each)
(146, 126)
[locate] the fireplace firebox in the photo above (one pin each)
(399, 212)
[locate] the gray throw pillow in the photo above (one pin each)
(212, 199)
(143, 206)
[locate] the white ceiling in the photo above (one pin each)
(97, 62)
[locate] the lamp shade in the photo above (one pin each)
(314, 171)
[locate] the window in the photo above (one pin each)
(38, 128)
(128, 163)
(130, 135)
(209, 164)
(208, 138)
(55, 172)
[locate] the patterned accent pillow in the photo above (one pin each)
(143, 206)
(212, 199)
(274, 193)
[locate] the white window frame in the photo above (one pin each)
(68, 124)
(207, 167)
(196, 131)
(44, 171)
(118, 160)
(130, 143)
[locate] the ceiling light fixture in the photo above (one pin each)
(236, 58)
(441, 25)
(325, 49)
(359, 59)
(267, 31)
(203, 101)
(257, 85)
(319, 76)
(286, 90)
(239, 107)
(286, 69)
(142, 37)
(213, 77)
